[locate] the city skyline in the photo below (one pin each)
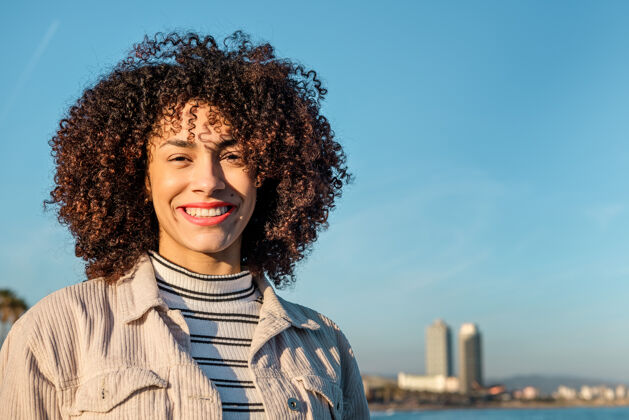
(488, 143)
(439, 375)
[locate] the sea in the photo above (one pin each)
(572, 413)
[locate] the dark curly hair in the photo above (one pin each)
(272, 107)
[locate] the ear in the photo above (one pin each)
(258, 181)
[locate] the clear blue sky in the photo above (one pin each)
(488, 140)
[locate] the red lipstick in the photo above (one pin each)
(206, 220)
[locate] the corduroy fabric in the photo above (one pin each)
(100, 351)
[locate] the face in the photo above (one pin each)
(202, 194)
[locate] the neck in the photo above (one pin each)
(219, 263)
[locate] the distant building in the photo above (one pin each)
(608, 393)
(470, 358)
(588, 393)
(565, 393)
(435, 383)
(621, 391)
(438, 349)
(530, 393)
(374, 384)
(599, 392)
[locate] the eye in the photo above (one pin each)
(232, 157)
(179, 158)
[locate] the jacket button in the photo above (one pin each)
(293, 404)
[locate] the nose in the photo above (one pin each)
(208, 176)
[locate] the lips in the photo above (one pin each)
(206, 214)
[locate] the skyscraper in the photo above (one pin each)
(438, 349)
(470, 360)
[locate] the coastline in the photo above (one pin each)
(517, 404)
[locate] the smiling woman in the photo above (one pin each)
(188, 176)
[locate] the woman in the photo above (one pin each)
(188, 176)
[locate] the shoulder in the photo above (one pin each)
(309, 313)
(53, 327)
(65, 305)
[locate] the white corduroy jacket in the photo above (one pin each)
(97, 350)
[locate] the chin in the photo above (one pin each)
(207, 247)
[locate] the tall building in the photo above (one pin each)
(470, 358)
(438, 349)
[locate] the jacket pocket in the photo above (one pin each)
(324, 397)
(122, 393)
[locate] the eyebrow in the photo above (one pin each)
(220, 145)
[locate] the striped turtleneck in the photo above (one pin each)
(222, 312)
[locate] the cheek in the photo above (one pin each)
(249, 197)
(164, 188)
(243, 186)
(162, 207)
(253, 197)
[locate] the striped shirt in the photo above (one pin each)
(222, 312)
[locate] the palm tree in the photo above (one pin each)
(11, 308)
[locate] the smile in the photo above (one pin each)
(206, 214)
(200, 212)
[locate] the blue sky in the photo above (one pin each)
(488, 140)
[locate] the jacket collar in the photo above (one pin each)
(274, 306)
(138, 293)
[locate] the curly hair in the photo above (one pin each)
(272, 107)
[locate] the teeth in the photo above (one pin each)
(197, 212)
